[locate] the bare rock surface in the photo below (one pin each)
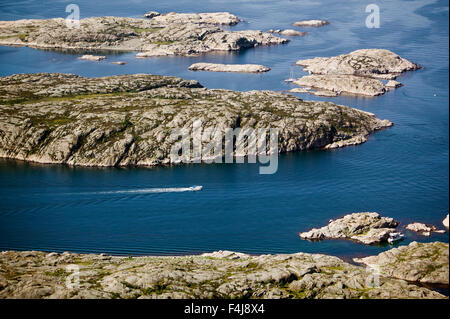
(445, 221)
(128, 119)
(352, 141)
(216, 67)
(367, 228)
(213, 18)
(310, 23)
(359, 72)
(92, 57)
(338, 84)
(393, 84)
(151, 14)
(417, 262)
(216, 275)
(168, 34)
(376, 63)
(310, 90)
(298, 90)
(226, 254)
(423, 229)
(288, 32)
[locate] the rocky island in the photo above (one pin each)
(216, 67)
(91, 57)
(158, 35)
(423, 229)
(222, 274)
(360, 72)
(367, 228)
(127, 119)
(310, 23)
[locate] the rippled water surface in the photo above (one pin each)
(400, 172)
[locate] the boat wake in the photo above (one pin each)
(152, 190)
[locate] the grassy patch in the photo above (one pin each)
(80, 262)
(146, 30)
(57, 273)
(115, 295)
(126, 124)
(158, 289)
(334, 268)
(23, 37)
(43, 120)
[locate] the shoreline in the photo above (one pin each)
(221, 274)
(227, 274)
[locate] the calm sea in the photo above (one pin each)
(400, 172)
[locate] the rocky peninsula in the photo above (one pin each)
(128, 119)
(158, 35)
(367, 228)
(360, 72)
(222, 274)
(417, 262)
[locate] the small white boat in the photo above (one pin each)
(196, 188)
(291, 77)
(395, 237)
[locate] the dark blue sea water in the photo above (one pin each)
(400, 172)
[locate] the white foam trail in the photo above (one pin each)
(153, 190)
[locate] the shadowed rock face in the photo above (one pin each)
(366, 228)
(358, 72)
(127, 119)
(216, 275)
(171, 34)
(421, 262)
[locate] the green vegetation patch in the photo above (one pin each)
(146, 30)
(57, 273)
(158, 289)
